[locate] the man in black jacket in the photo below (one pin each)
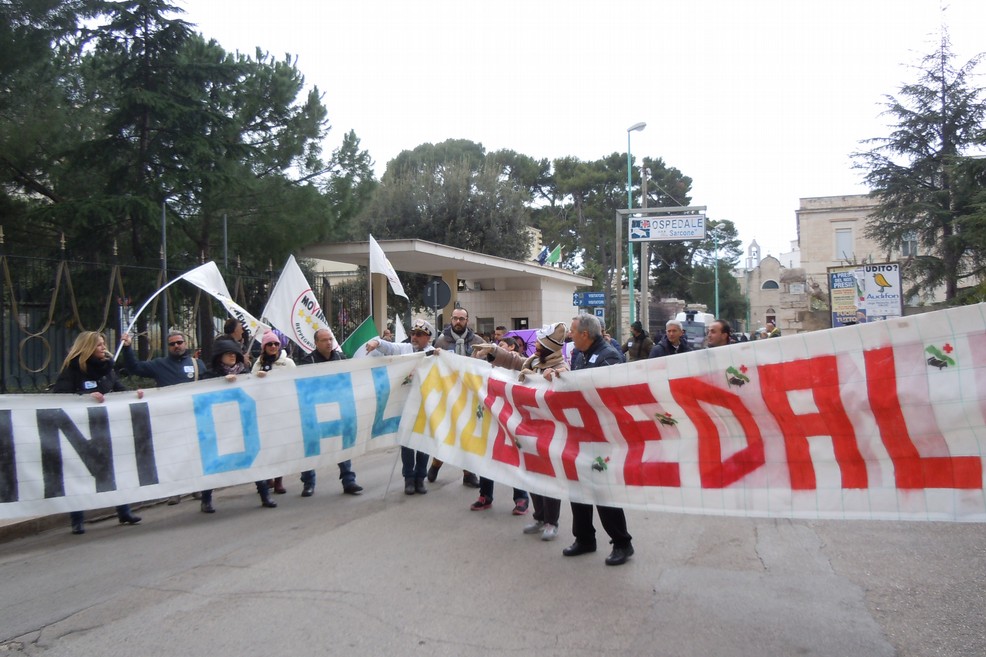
(325, 352)
(673, 342)
(597, 352)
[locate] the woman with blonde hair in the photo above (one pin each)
(88, 370)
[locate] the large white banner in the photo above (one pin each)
(68, 453)
(884, 420)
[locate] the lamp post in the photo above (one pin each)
(636, 127)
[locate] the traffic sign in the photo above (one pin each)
(437, 294)
(583, 299)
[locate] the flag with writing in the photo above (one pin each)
(543, 255)
(293, 308)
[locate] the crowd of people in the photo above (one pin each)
(89, 369)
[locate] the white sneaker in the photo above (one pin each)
(550, 532)
(534, 528)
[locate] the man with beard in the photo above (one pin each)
(458, 338)
(673, 341)
(638, 346)
(719, 334)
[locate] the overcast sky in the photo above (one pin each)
(760, 102)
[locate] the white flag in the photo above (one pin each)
(380, 265)
(400, 335)
(293, 308)
(208, 278)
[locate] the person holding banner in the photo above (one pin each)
(415, 464)
(597, 352)
(179, 366)
(460, 339)
(88, 370)
(234, 330)
(326, 352)
(227, 363)
(271, 357)
(547, 361)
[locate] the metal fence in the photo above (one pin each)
(46, 303)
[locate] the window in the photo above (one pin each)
(485, 325)
(770, 284)
(520, 323)
(909, 245)
(843, 244)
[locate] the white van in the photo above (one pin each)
(695, 323)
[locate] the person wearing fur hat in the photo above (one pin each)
(228, 363)
(638, 346)
(272, 357)
(547, 361)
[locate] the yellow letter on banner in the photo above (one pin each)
(466, 401)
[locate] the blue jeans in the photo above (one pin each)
(486, 490)
(415, 464)
(346, 474)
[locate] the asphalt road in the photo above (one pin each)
(388, 574)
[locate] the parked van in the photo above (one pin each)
(695, 324)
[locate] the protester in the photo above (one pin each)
(638, 345)
(228, 363)
(510, 348)
(234, 330)
(88, 370)
(326, 352)
(673, 341)
(719, 334)
(179, 366)
(460, 339)
(271, 357)
(597, 352)
(415, 463)
(548, 362)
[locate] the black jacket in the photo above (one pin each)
(98, 377)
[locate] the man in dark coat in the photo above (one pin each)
(326, 352)
(673, 342)
(597, 352)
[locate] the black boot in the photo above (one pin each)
(419, 487)
(408, 486)
(266, 501)
(78, 523)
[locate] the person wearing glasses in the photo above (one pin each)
(414, 464)
(325, 352)
(272, 357)
(458, 338)
(179, 366)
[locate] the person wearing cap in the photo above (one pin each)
(227, 363)
(772, 330)
(234, 330)
(547, 361)
(326, 352)
(458, 338)
(415, 464)
(673, 342)
(272, 357)
(597, 352)
(639, 344)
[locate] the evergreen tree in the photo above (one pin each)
(921, 174)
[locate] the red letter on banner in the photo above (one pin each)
(911, 470)
(503, 449)
(541, 430)
(716, 472)
(590, 432)
(821, 376)
(637, 432)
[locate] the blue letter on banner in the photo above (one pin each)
(330, 389)
(212, 461)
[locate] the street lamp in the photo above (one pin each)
(636, 127)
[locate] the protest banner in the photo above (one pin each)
(875, 421)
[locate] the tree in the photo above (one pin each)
(922, 177)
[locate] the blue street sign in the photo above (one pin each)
(583, 299)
